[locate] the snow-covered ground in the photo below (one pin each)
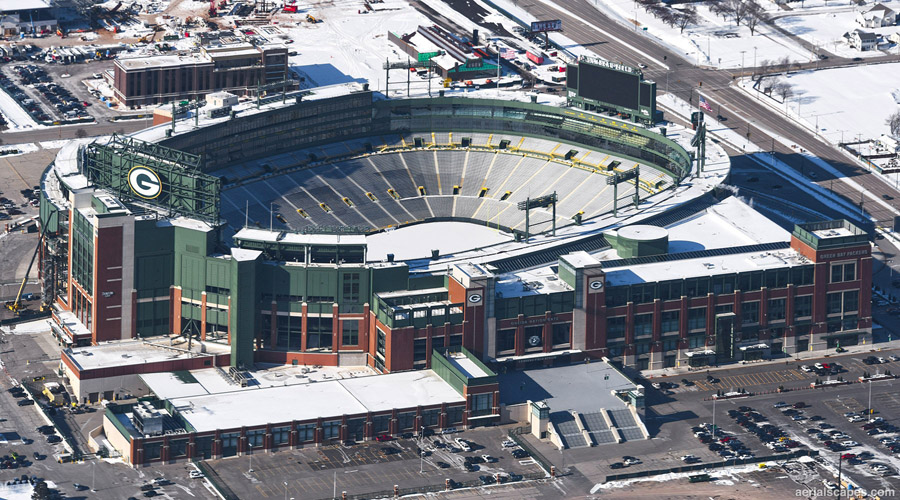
(826, 28)
(713, 42)
(824, 97)
(17, 118)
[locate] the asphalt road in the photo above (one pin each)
(587, 26)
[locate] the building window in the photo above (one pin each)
(845, 271)
(255, 437)
(670, 321)
(642, 347)
(420, 313)
(406, 420)
(670, 343)
(643, 324)
(351, 288)
(695, 341)
(152, 451)
(833, 303)
(482, 404)
(750, 312)
(455, 414)
(281, 435)
(776, 309)
(506, 340)
(851, 301)
(332, 429)
(350, 332)
(615, 327)
(380, 344)
(306, 432)
(318, 333)
(561, 334)
(420, 351)
(697, 318)
(803, 306)
(430, 417)
(842, 302)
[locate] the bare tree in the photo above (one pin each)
(738, 10)
(720, 8)
(687, 16)
(754, 16)
(784, 90)
(893, 122)
(669, 17)
(80, 133)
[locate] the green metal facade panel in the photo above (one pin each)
(448, 372)
(387, 279)
(243, 311)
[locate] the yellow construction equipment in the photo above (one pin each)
(16, 305)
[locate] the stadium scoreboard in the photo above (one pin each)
(599, 85)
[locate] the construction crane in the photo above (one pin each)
(16, 305)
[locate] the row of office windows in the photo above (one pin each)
(838, 303)
(718, 285)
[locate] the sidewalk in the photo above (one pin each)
(803, 356)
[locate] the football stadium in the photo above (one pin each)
(456, 237)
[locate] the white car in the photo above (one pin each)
(195, 474)
(806, 368)
(881, 360)
(487, 459)
(509, 443)
(463, 444)
(856, 418)
(819, 366)
(849, 444)
(830, 485)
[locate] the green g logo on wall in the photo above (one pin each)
(144, 182)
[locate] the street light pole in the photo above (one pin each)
(93, 476)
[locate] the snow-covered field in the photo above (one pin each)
(825, 29)
(841, 112)
(17, 118)
(713, 42)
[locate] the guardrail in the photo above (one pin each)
(715, 465)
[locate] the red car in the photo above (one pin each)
(383, 437)
(726, 439)
(847, 456)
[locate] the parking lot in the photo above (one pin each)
(376, 466)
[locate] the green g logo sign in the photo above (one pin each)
(144, 182)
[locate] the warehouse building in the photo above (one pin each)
(26, 17)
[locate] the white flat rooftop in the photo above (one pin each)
(169, 385)
(300, 239)
(308, 401)
(468, 367)
(703, 266)
(11, 5)
(135, 352)
(161, 61)
(833, 232)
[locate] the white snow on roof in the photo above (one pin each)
(10, 5)
(312, 400)
(468, 367)
(130, 352)
(417, 241)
